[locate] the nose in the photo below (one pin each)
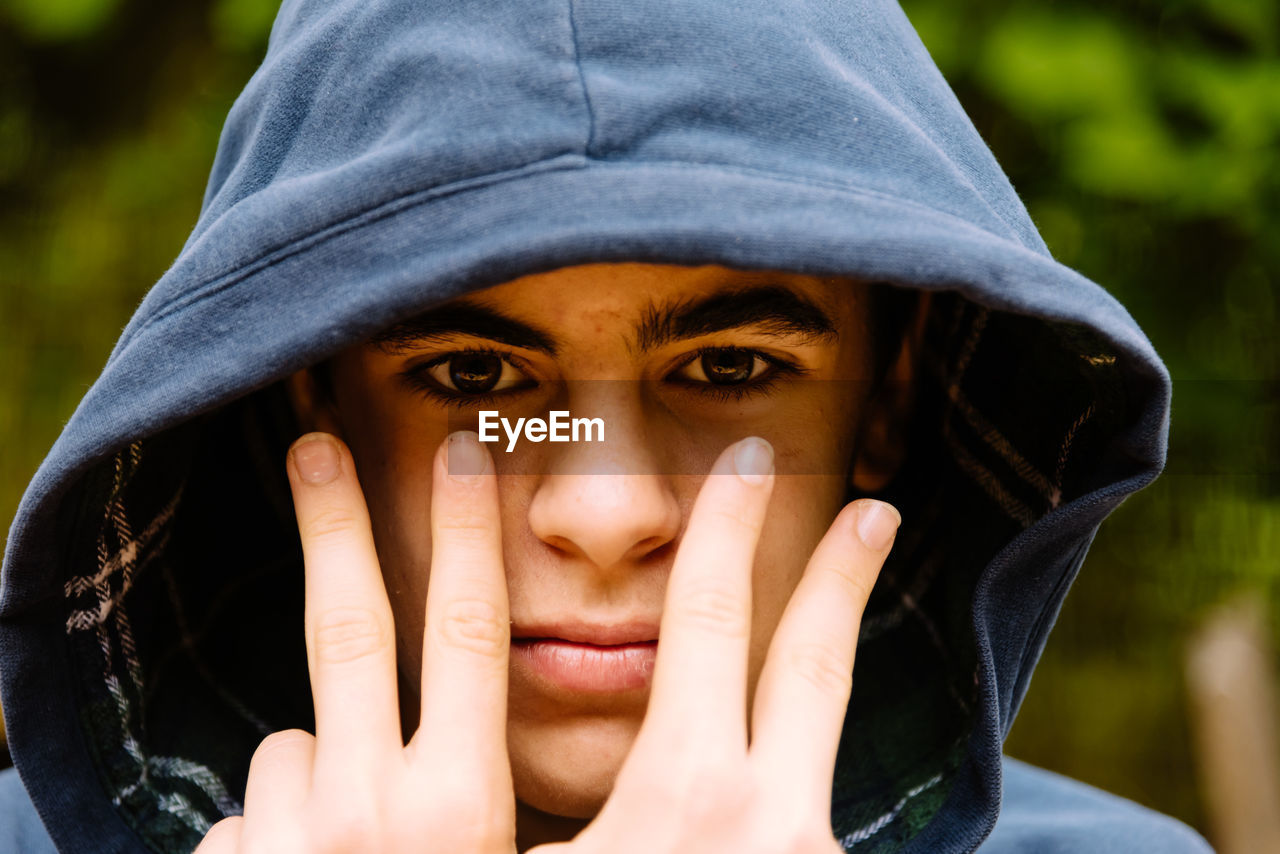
(606, 506)
(605, 518)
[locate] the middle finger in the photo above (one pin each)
(349, 627)
(466, 644)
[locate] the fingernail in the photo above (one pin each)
(316, 459)
(753, 460)
(877, 524)
(466, 459)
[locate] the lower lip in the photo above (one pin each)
(585, 667)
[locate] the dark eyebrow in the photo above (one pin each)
(772, 309)
(465, 318)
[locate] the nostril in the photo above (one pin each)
(560, 545)
(652, 548)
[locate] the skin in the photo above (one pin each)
(758, 599)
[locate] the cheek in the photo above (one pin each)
(400, 509)
(813, 464)
(394, 450)
(800, 511)
(531, 571)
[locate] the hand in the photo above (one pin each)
(692, 783)
(354, 786)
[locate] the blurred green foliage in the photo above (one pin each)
(1144, 136)
(59, 20)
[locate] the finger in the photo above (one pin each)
(279, 782)
(222, 838)
(466, 644)
(349, 629)
(804, 687)
(700, 675)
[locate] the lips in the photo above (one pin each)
(587, 658)
(613, 633)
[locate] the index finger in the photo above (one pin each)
(349, 629)
(700, 675)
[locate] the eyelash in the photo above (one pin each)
(420, 379)
(778, 367)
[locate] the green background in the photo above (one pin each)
(1143, 136)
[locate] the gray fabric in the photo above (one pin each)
(1051, 814)
(20, 827)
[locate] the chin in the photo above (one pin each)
(567, 767)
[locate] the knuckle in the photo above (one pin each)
(466, 526)
(471, 823)
(349, 831)
(806, 838)
(713, 795)
(281, 746)
(328, 524)
(346, 819)
(349, 634)
(716, 608)
(474, 625)
(222, 836)
(823, 667)
(737, 517)
(857, 587)
(693, 788)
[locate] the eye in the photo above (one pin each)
(474, 372)
(725, 366)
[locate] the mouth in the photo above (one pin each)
(582, 658)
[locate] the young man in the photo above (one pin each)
(762, 247)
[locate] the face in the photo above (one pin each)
(678, 362)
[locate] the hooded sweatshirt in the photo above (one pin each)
(392, 154)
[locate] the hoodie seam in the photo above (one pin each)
(582, 81)
(558, 163)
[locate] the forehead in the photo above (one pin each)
(645, 306)
(625, 291)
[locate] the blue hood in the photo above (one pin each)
(391, 154)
